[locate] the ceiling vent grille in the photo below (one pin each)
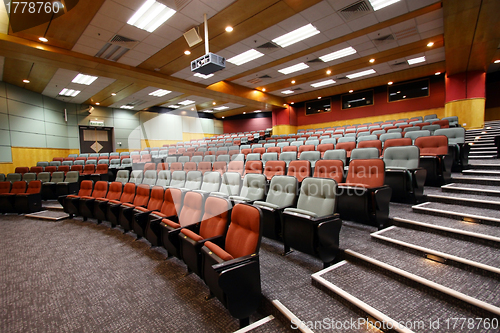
(116, 47)
(255, 81)
(342, 78)
(384, 39)
(264, 77)
(268, 48)
(396, 64)
(355, 10)
(317, 60)
(406, 33)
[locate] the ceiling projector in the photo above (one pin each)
(208, 64)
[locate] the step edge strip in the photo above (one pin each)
(471, 189)
(446, 290)
(255, 325)
(492, 219)
(356, 301)
(456, 231)
(440, 254)
(465, 199)
(290, 316)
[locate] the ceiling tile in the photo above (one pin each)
(254, 41)
(403, 26)
(90, 42)
(432, 33)
(386, 46)
(434, 15)
(379, 33)
(132, 32)
(364, 46)
(359, 40)
(98, 33)
(116, 11)
(80, 48)
(338, 31)
(156, 40)
(318, 11)
(196, 9)
(413, 5)
(363, 22)
(294, 22)
(394, 10)
(218, 4)
(430, 25)
(368, 52)
(129, 61)
(339, 4)
(316, 40)
(182, 22)
(328, 22)
(272, 32)
(408, 40)
(106, 22)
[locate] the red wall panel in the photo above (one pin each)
(244, 125)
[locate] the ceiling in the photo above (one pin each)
(93, 37)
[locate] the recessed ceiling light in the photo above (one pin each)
(128, 107)
(430, 44)
(264, 89)
(372, 60)
(328, 72)
(187, 52)
(43, 39)
(284, 104)
(192, 109)
(213, 103)
(245, 57)
(292, 103)
(69, 92)
(322, 83)
(208, 111)
(173, 106)
(390, 83)
(379, 4)
(244, 112)
(84, 79)
(151, 15)
(437, 73)
(203, 76)
(294, 68)
(351, 91)
(113, 94)
(496, 61)
(338, 54)
(363, 73)
(293, 81)
(296, 36)
(416, 60)
(220, 108)
(286, 92)
(97, 103)
(257, 111)
(222, 117)
(26, 81)
(229, 28)
(160, 93)
(319, 97)
(186, 102)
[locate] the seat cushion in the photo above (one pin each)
(116, 202)
(87, 197)
(142, 209)
(301, 211)
(354, 185)
(71, 196)
(218, 251)
(128, 205)
(171, 224)
(192, 235)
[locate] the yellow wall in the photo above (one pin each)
(29, 156)
(186, 137)
(287, 129)
(469, 111)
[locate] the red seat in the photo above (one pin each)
(304, 148)
(70, 202)
(347, 146)
(204, 167)
(235, 166)
(397, 142)
(322, 148)
(140, 217)
(444, 123)
(88, 169)
(433, 151)
(59, 159)
(78, 168)
(36, 169)
(81, 158)
(7, 199)
(423, 124)
(274, 168)
(149, 166)
(246, 151)
(176, 166)
(136, 158)
(220, 152)
(289, 148)
(72, 159)
(190, 166)
(101, 204)
(259, 150)
(86, 203)
(432, 145)
(5, 187)
(365, 173)
(233, 152)
(299, 170)
(333, 169)
(22, 170)
(371, 144)
(141, 199)
(253, 167)
(64, 168)
(31, 200)
(113, 209)
(161, 166)
(220, 167)
(274, 150)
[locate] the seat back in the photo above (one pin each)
(42, 164)
(347, 146)
(432, 145)
(293, 149)
(220, 167)
(34, 186)
(193, 180)
(397, 142)
(455, 135)
(430, 116)
(149, 177)
(163, 178)
(417, 134)
(215, 218)
(44, 177)
(197, 159)
(364, 153)
(254, 187)
(126, 162)
(211, 181)
(311, 156)
(283, 144)
(346, 139)
(231, 183)
(236, 166)
(114, 163)
(101, 169)
(370, 173)
(299, 169)
(13, 177)
(149, 166)
(57, 177)
(190, 166)
(209, 158)
(192, 209)
(88, 169)
(183, 159)
(114, 191)
(282, 191)
(253, 167)
(323, 147)
(176, 166)
(5, 187)
(337, 154)
(100, 189)
(128, 193)
(288, 157)
(86, 187)
(269, 157)
(29, 176)
(253, 157)
(333, 169)
(388, 136)
(18, 187)
(72, 177)
(142, 195)
(204, 167)
(244, 233)
(122, 176)
(156, 199)
(178, 179)
(21, 170)
(274, 168)
(318, 195)
(405, 157)
(136, 177)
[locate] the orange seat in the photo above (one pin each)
(235, 166)
(371, 144)
(299, 169)
(322, 148)
(190, 166)
(274, 168)
(253, 167)
(365, 173)
(333, 169)
(304, 148)
(397, 142)
(220, 167)
(140, 216)
(176, 166)
(204, 167)
(141, 199)
(347, 146)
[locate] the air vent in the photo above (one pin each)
(136, 102)
(254, 81)
(121, 39)
(342, 78)
(406, 33)
(297, 89)
(179, 4)
(384, 39)
(315, 61)
(268, 45)
(355, 10)
(264, 77)
(399, 63)
(116, 47)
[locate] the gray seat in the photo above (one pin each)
(42, 164)
(364, 153)
(183, 159)
(238, 157)
(125, 153)
(386, 125)
(329, 140)
(337, 136)
(431, 128)
(223, 149)
(73, 155)
(55, 163)
(114, 154)
(415, 122)
(455, 135)
(96, 155)
(268, 145)
(69, 185)
(114, 163)
(452, 121)
(197, 159)
(104, 154)
(392, 130)
(122, 176)
(347, 139)
(283, 144)
(193, 180)
(290, 140)
(14, 177)
(223, 158)
(417, 134)
(171, 159)
(84, 155)
(178, 179)
(149, 177)
(349, 135)
(68, 163)
(411, 129)
(29, 176)
(126, 163)
(211, 182)
(313, 227)
(430, 116)
(280, 140)
(388, 136)
(312, 142)
(337, 154)
(91, 162)
(311, 156)
(297, 143)
(230, 185)
(2, 177)
(209, 158)
(269, 157)
(456, 143)
(367, 137)
(288, 156)
(244, 146)
(136, 177)
(257, 145)
(163, 178)
(253, 188)
(253, 157)
(79, 162)
(362, 134)
(44, 177)
(103, 161)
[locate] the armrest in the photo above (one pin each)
(219, 194)
(301, 213)
(265, 205)
(235, 262)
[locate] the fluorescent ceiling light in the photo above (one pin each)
(363, 73)
(416, 60)
(245, 57)
(208, 111)
(69, 92)
(294, 68)
(128, 107)
(322, 83)
(338, 54)
(151, 15)
(186, 102)
(296, 36)
(203, 76)
(286, 92)
(379, 4)
(160, 93)
(221, 108)
(173, 106)
(84, 79)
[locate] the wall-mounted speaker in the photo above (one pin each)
(192, 37)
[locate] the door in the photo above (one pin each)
(96, 139)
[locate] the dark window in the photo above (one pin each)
(355, 100)
(319, 106)
(414, 89)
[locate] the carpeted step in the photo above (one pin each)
(462, 252)
(481, 172)
(473, 189)
(484, 166)
(267, 324)
(483, 180)
(387, 299)
(468, 213)
(470, 200)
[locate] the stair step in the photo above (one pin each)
(482, 172)
(481, 165)
(485, 156)
(476, 189)
(462, 252)
(464, 200)
(394, 302)
(472, 214)
(484, 180)
(475, 147)
(266, 324)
